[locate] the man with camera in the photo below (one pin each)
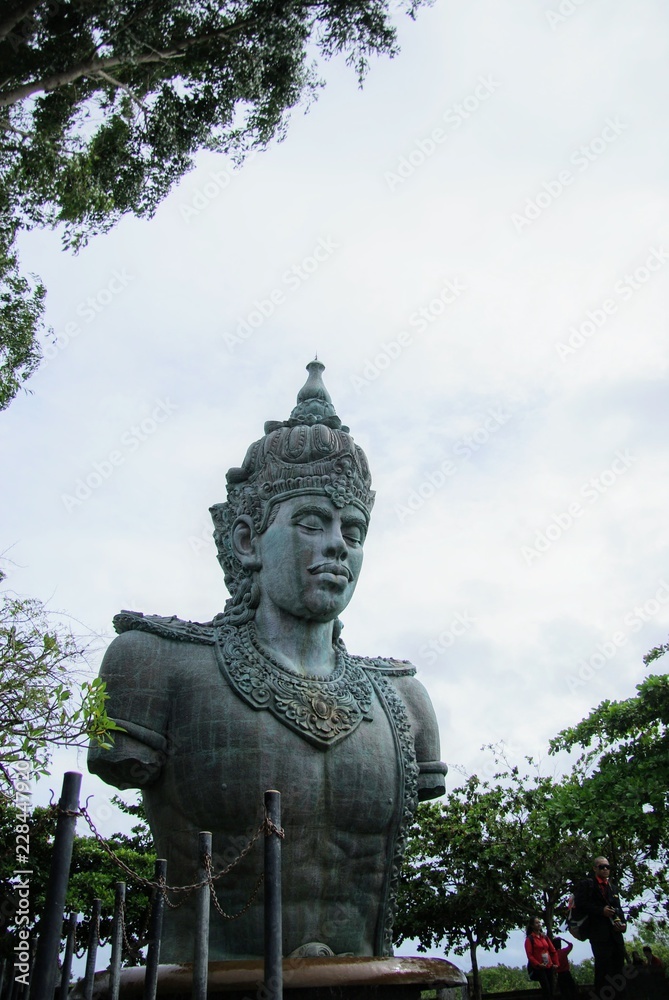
(598, 899)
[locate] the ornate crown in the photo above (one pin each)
(311, 452)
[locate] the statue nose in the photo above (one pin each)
(335, 542)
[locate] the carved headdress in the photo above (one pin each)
(311, 452)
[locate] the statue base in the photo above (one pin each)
(303, 979)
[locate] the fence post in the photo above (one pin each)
(202, 907)
(92, 953)
(67, 959)
(46, 959)
(273, 931)
(155, 933)
(117, 942)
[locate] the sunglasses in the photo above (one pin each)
(604, 866)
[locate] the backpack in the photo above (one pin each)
(575, 921)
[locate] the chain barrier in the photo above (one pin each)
(214, 897)
(266, 827)
(132, 949)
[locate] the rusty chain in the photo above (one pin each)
(214, 897)
(267, 826)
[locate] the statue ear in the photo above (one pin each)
(245, 543)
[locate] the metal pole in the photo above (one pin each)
(67, 959)
(117, 942)
(46, 960)
(202, 906)
(273, 932)
(155, 933)
(93, 941)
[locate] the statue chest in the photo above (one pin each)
(324, 751)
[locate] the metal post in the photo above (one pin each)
(202, 906)
(117, 942)
(46, 960)
(273, 931)
(155, 933)
(93, 941)
(67, 959)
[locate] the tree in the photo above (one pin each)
(37, 709)
(481, 863)
(104, 103)
(457, 884)
(617, 791)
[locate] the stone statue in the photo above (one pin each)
(267, 696)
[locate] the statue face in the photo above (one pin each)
(311, 556)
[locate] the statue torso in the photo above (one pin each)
(344, 764)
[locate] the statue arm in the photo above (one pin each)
(133, 670)
(431, 770)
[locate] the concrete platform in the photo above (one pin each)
(303, 979)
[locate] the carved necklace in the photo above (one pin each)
(322, 710)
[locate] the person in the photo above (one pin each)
(542, 957)
(566, 984)
(598, 898)
(637, 960)
(266, 696)
(654, 963)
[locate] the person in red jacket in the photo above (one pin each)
(566, 986)
(541, 956)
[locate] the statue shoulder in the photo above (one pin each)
(385, 665)
(172, 628)
(422, 720)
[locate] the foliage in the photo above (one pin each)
(21, 308)
(617, 790)
(104, 104)
(454, 872)
(93, 874)
(503, 978)
(37, 709)
(458, 879)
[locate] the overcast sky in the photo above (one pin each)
(476, 244)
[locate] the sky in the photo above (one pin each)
(476, 245)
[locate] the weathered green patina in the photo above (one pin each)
(267, 696)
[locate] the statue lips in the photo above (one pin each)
(341, 573)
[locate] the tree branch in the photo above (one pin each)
(95, 66)
(121, 86)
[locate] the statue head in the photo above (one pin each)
(311, 453)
